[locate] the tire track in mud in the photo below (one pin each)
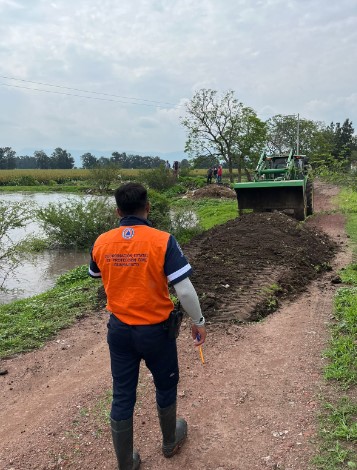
(253, 299)
(241, 268)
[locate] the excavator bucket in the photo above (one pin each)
(274, 195)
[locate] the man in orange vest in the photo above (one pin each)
(136, 262)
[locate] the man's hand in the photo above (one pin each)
(198, 334)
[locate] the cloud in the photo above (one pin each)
(9, 4)
(278, 56)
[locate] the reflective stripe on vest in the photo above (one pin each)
(131, 260)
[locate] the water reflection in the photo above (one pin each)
(38, 273)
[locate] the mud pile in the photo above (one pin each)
(214, 191)
(242, 268)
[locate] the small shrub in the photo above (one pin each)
(12, 216)
(158, 179)
(77, 223)
(33, 245)
(26, 180)
(77, 274)
(184, 224)
(191, 183)
(159, 214)
(185, 171)
(175, 191)
(103, 176)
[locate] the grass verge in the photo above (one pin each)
(210, 212)
(27, 324)
(338, 421)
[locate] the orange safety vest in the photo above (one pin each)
(131, 261)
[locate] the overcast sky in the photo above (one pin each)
(148, 57)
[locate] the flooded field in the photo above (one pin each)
(38, 273)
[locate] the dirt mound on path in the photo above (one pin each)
(215, 191)
(243, 267)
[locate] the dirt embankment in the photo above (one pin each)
(242, 267)
(252, 405)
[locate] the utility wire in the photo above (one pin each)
(83, 91)
(82, 96)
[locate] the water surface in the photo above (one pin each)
(38, 273)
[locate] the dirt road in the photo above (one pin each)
(252, 405)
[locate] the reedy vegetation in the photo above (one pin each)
(12, 216)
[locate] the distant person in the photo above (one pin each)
(167, 165)
(209, 175)
(219, 174)
(215, 170)
(136, 262)
(176, 168)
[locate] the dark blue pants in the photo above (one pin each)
(127, 346)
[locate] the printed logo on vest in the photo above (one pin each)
(127, 233)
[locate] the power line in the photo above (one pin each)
(84, 96)
(84, 91)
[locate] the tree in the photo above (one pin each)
(218, 127)
(344, 141)
(250, 142)
(25, 162)
(282, 134)
(104, 161)
(185, 163)
(322, 144)
(42, 160)
(89, 161)
(61, 159)
(7, 158)
(205, 161)
(120, 159)
(135, 161)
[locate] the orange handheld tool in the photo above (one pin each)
(200, 349)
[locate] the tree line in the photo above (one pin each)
(62, 159)
(221, 130)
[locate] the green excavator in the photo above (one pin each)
(281, 182)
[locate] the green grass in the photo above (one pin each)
(338, 426)
(347, 200)
(338, 433)
(341, 420)
(211, 212)
(201, 215)
(27, 324)
(349, 274)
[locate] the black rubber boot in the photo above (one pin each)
(122, 434)
(174, 431)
